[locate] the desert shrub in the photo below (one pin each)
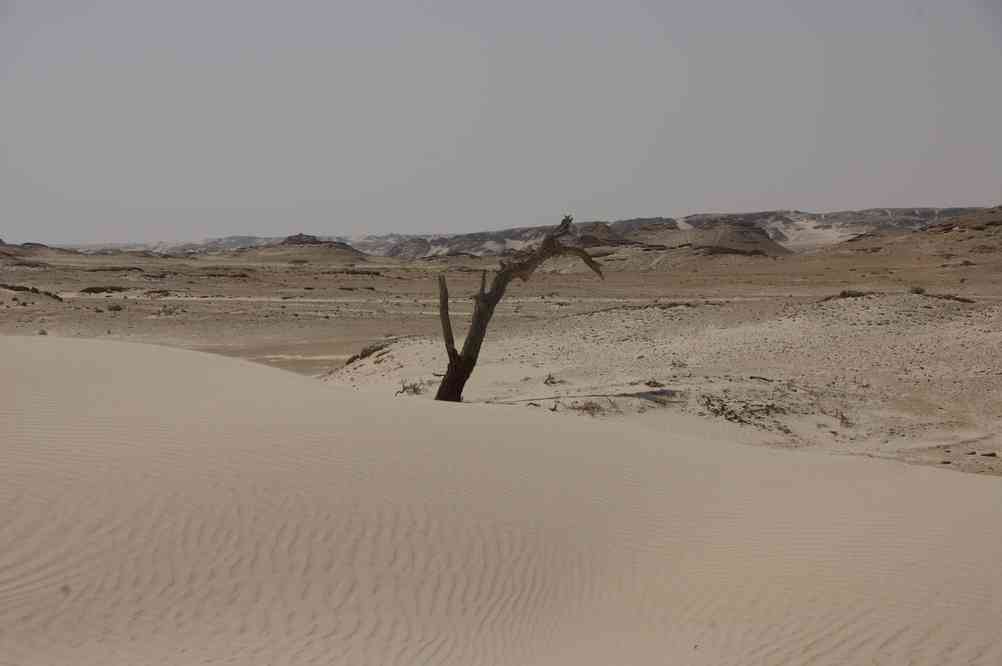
(951, 297)
(411, 388)
(169, 310)
(368, 351)
(846, 293)
(590, 407)
(102, 290)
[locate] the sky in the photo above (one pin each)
(143, 120)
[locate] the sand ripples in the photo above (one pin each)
(165, 507)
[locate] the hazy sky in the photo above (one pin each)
(177, 119)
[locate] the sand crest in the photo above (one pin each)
(160, 506)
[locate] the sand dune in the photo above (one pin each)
(160, 506)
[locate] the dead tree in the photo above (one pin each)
(521, 266)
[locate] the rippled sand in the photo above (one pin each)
(160, 506)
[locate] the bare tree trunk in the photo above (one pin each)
(521, 266)
(451, 388)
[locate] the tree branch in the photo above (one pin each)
(585, 257)
(523, 264)
(443, 313)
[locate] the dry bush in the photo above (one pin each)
(590, 407)
(846, 293)
(102, 290)
(169, 310)
(368, 351)
(416, 387)
(950, 297)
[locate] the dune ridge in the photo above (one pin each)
(160, 506)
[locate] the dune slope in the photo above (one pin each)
(160, 506)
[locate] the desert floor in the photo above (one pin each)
(161, 506)
(713, 460)
(747, 340)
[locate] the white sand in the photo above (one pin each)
(160, 506)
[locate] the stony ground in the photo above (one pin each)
(894, 375)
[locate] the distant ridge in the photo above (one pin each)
(793, 230)
(302, 239)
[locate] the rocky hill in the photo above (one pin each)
(792, 230)
(505, 241)
(803, 231)
(301, 249)
(31, 251)
(969, 239)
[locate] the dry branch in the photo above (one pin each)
(443, 313)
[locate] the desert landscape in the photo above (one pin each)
(880, 337)
(500, 333)
(769, 438)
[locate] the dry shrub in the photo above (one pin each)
(367, 352)
(846, 293)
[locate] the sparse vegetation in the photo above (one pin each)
(950, 297)
(590, 407)
(416, 387)
(743, 411)
(31, 290)
(169, 310)
(103, 290)
(846, 293)
(368, 351)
